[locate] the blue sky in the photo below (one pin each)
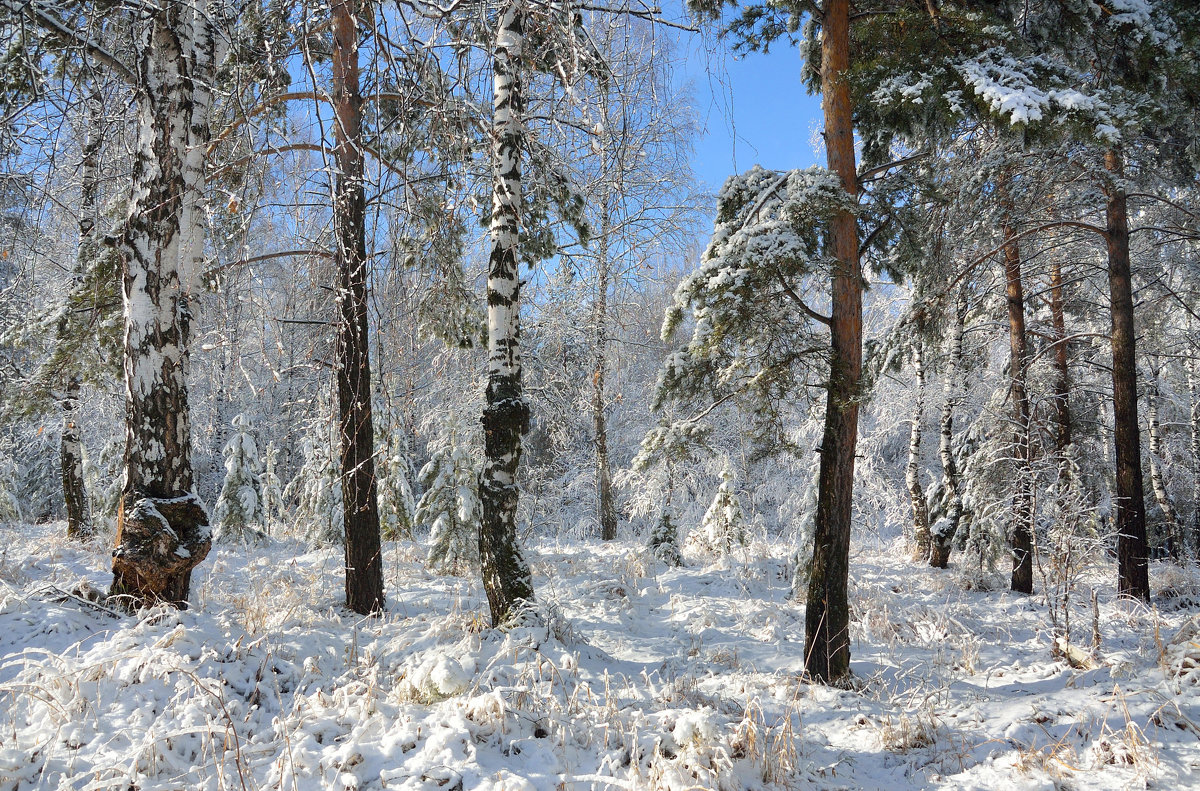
(753, 110)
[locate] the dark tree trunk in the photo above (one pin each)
(364, 562)
(506, 576)
(1132, 556)
(912, 471)
(162, 529)
(1062, 370)
(1021, 528)
(79, 523)
(827, 613)
(943, 538)
(605, 504)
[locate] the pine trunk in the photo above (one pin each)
(605, 505)
(1157, 482)
(1021, 528)
(1133, 575)
(162, 529)
(943, 539)
(360, 512)
(1062, 370)
(827, 613)
(79, 523)
(506, 576)
(912, 471)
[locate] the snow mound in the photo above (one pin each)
(1181, 658)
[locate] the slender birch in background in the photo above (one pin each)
(1193, 380)
(506, 576)
(912, 470)
(79, 521)
(1156, 457)
(943, 536)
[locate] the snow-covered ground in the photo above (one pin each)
(643, 677)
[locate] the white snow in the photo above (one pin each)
(639, 677)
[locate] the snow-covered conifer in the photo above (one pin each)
(397, 506)
(317, 488)
(240, 505)
(664, 540)
(450, 504)
(724, 523)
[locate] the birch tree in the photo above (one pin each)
(507, 579)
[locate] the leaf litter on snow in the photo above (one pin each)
(628, 675)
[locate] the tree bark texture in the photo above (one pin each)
(943, 538)
(162, 529)
(1133, 575)
(827, 613)
(1062, 370)
(79, 523)
(912, 471)
(1157, 481)
(363, 551)
(507, 580)
(1020, 532)
(605, 504)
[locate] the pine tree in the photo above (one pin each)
(397, 507)
(317, 489)
(450, 503)
(664, 540)
(724, 521)
(364, 560)
(239, 507)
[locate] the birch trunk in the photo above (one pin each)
(1133, 574)
(360, 512)
(912, 471)
(506, 576)
(943, 538)
(827, 612)
(1021, 527)
(79, 523)
(1157, 482)
(162, 529)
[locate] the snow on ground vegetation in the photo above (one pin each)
(638, 677)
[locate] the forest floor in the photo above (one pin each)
(641, 677)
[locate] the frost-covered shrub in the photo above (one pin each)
(104, 477)
(240, 504)
(10, 507)
(450, 504)
(317, 488)
(801, 560)
(273, 502)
